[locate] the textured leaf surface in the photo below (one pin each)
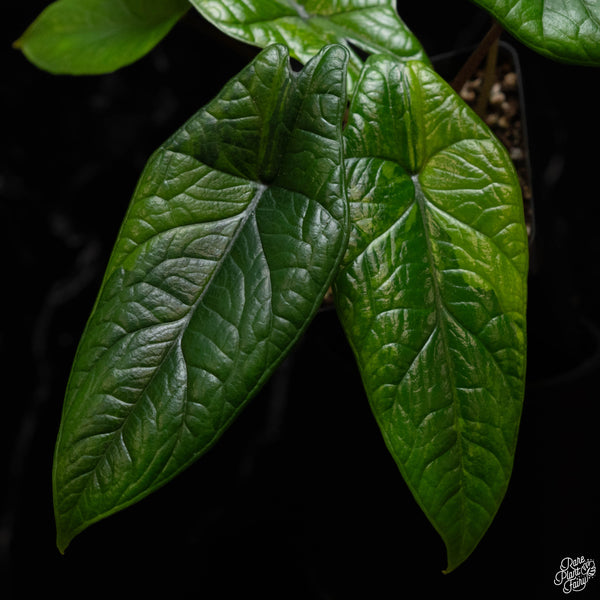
(565, 30)
(230, 242)
(97, 36)
(432, 292)
(306, 25)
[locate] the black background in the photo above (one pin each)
(299, 499)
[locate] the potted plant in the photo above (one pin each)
(242, 220)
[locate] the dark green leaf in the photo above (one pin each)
(565, 30)
(230, 242)
(88, 37)
(432, 292)
(306, 25)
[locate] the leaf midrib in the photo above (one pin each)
(441, 326)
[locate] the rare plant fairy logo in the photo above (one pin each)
(574, 573)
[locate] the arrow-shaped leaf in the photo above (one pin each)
(565, 30)
(306, 25)
(230, 242)
(432, 292)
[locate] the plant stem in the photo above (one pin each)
(490, 39)
(488, 79)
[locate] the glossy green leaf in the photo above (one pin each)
(432, 292)
(306, 25)
(565, 30)
(231, 240)
(88, 37)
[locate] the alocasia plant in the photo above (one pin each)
(402, 200)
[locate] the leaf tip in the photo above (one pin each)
(457, 555)
(63, 539)
(64, 533)
(449, 568)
